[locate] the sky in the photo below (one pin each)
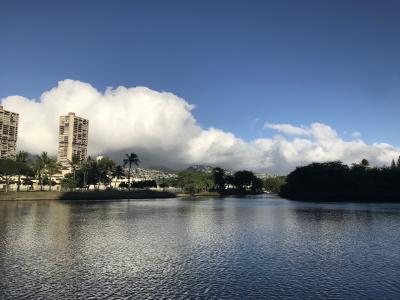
(256, 80)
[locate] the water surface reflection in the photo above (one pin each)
(212, 248)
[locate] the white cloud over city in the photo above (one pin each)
(161, 128)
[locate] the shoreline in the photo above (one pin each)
(83, 195)
(106, 195)
(343, 199)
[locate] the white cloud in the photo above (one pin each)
(161, 128)
(317, 130)
(287, 129)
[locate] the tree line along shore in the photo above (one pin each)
(104, 178)
(328, 181)
(335, 181)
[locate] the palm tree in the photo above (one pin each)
(21, 157)
(52, 167)
(85, 167)
(131, 159)
(117, 173)
(40, 165)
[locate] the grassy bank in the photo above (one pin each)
(86, 195)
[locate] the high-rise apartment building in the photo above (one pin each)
(8, 133)
(72, 138)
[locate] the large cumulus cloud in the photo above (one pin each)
(160, 127)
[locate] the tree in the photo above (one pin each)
(75, 163)
(130, 160)
(398, 162)
(243, 179)
(219, 178)
(9, 168)
(164, 184)
(92, 172)
(39, 166)
(85, 167)
(274, 184)
(52, 167)
(27, 180)
(143, 184)
(194, 181)
(68, 182)
(393, 164)
(230, 180)
(365, 163)
(334, 181)
(257, 185)
(123, 185)
(22, 157)
(105, 167)
(117, 173)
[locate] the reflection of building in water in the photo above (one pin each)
(8, 133)
(72, 138)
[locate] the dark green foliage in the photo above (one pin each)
(393, 164)
(75, 163)
(47, 181)
(256, 185)
(243, 179)
(194, 182)
(22, 157)
(334, 181)
(244, 182)
(131, 160)
(9, 168)
(274, 184)
(105, 168)
(164, 184)
(69, 183)
(118, 172)
(143, 184)
(168, 182)
(219, 178)
(86, 176)
(230, 180)
(365, 162)
(123, 185)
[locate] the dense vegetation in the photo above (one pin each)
(192, 181)
(92, 173)
(84, 173)
(335, 181)
(274, 184)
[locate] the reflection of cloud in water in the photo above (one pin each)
(209, 248)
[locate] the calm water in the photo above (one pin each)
(213, 248)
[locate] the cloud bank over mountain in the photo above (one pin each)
(161, 128)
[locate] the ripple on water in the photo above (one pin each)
(214, 249)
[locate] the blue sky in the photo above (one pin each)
(242, 63)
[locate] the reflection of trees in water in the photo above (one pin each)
(340, 213)
(318, 215)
